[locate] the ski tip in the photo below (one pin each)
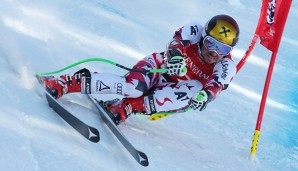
(143, 160)
(38, 79)
(93, 135)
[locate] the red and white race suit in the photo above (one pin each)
(163, 92)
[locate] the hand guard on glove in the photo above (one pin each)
(176, 66)
(199, 101)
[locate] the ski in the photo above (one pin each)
(139, 156)
(90, 133)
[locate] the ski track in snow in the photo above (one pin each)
(44, 36)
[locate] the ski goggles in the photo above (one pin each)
(214, 45)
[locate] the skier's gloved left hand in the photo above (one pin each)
(176, 66)
(199, 101)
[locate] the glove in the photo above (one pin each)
(176, 66)
(199, 101)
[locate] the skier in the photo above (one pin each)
(199, 66)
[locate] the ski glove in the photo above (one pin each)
(176, 66)
(199, 101)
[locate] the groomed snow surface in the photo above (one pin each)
(42, 36)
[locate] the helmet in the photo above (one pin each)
(224, 29)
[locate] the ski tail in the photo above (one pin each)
(158, 116)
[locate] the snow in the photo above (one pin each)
(42, 36)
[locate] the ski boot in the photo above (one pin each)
(122, 109)
(57, 87)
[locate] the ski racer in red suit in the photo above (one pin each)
(199, 66)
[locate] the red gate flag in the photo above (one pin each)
(271, 24)
(272, 20)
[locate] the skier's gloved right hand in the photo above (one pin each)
(176, 66)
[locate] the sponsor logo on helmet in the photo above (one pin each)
(224, 31)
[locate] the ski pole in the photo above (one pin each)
(102, 60)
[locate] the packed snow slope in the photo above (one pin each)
(42, 36)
